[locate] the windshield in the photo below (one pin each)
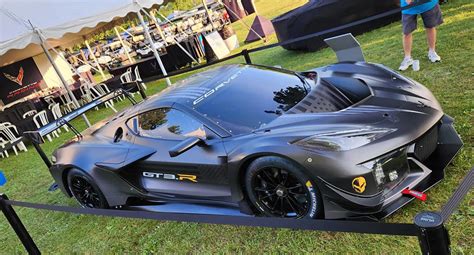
(251, 98)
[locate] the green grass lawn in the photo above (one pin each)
(451, 81)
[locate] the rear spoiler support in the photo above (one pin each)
(36, 137)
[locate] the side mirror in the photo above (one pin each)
(185, 145)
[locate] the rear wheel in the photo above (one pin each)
(278, 187)
(85, 190)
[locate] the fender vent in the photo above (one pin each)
(426, 145)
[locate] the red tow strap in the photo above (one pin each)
(414, 193)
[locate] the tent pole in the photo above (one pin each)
(208, 14)
(95, 60)
(123, 45)
(61, 77)
(152, 45)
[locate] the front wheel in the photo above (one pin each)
(85, 190)
(278, 187)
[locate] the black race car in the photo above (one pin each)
(340, 141)
(344, 140)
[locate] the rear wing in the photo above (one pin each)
(36, 137)
(346, 47)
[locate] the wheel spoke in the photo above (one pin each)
(295, 187)
(275, 203)
(282, 207)
(261, 189)
(297, 204)
(270, 178)
(291, 205)
(267, 196)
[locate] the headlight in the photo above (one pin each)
(343, 140)
(389, 169)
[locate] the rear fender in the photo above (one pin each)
(100, 162)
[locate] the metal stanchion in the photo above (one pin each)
(246, 55)
(433, 236)
(141, 89)
(18, 226)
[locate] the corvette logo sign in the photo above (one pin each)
(18, 79)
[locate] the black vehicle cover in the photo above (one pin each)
(319, 15)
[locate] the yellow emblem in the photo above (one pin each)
(188, 177)
(359, 184)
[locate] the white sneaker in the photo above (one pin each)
(433, 57)
(407, 62)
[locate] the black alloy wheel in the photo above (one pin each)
(85, 190)
(277, 189)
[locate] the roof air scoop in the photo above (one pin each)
(346, 47)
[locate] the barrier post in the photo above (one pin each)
(141, 89)
(246, 55)
(18, 226)
(432, 236)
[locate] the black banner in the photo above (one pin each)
(19, 79)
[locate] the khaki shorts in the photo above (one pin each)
(431, 18)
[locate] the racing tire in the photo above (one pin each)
(278, 187)
(85, 190)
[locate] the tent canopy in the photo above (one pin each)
(61, 22)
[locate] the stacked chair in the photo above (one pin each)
(127, 77)
(68, 104)
(92, 92)
(56, 111)
(29, 114)
(3, 151)
(41, 119)
(9, 136)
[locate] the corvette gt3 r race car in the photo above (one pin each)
(340, 141)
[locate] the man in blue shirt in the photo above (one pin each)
(431, 15)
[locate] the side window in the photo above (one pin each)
(169, 123)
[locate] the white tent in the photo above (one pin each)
(25, 24)
(61, 22)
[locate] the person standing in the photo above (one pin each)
(430, 12)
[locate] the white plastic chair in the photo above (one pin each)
(8, 131)
(138, 78)
(29, 114)
(56, 110)
(85, 93)
(49, 100)
(3, 152)
(95, 92)
(127, 76)
(68, 104)
(41, 119)
(102, 88)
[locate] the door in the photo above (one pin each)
(198, 173)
